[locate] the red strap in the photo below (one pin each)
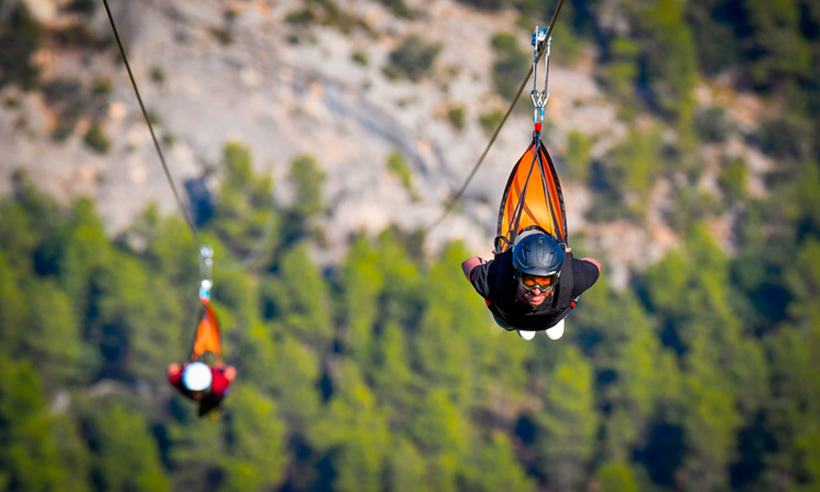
(220, 382)
(538, 127)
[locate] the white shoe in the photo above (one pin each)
(526, 335)
(556, 331)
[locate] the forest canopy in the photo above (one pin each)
(387, 373)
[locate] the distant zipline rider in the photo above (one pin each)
(204, 383)
(533, 281)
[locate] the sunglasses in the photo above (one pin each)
(530, 282)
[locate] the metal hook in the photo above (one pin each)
(538, 37)
(206, 263)
(540, 98)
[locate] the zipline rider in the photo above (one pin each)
(533, 285)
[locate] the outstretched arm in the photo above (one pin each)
(594, 262)
(470, 263)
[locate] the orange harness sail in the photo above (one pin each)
(532, 198)
(207, 330)
(207, 335)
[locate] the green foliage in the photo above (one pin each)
(792, 412)
(73, 454)
(54, 338)
(510, 65)
(329, 13)
(440, 429)
(70, 101)
(569, 421)
(694, 305)
(617, 477)
(102, 87)
(31, 458)
(413, 58)
(456, 116)
(398, 167)
(246, 214)
(712, 21)
(487, 4)
(784, 139)
(294, 374)
(126, 457)
(158, 75)
(20, 37)
(669, 57)
(360, 58)
(386, 372)
(690, 207)
(300, 298)
(804, 281)
(257, 455)
(777, 50)
(14, 311)
(97, 140)
(136, 320)
(638, 159)
(85, 7)
(732, 180)
(452, 314)
(711, 125)
(628, 174)
(577, 158)
(222, 34)
(79, 36)
(357, 427)
(398, 7)
(363, 283)
(171, 251)
(497, 468)
(490, 121)
(407, 470)
(307, 178)
(621, 74)
(84, 251)
(657, 59)
(394, 381)
(301, 17)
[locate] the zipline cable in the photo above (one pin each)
(451, 203)
(151, 128)
(257, 250)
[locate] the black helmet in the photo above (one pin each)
(537, 253)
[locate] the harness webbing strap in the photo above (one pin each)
(549, 205)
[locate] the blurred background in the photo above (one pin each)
(686, 138)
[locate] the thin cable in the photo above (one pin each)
(450, 204)
(258, 248)
(151, 128)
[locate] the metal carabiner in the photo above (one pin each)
(206, 263)
(540, 98)
(538, 37)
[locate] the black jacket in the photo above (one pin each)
(496, 283)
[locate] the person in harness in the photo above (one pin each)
(206, 384)
(533, 281)
(533, 285)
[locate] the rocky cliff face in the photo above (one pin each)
(216, 71)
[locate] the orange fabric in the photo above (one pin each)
(207, 335)
(527, 179)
